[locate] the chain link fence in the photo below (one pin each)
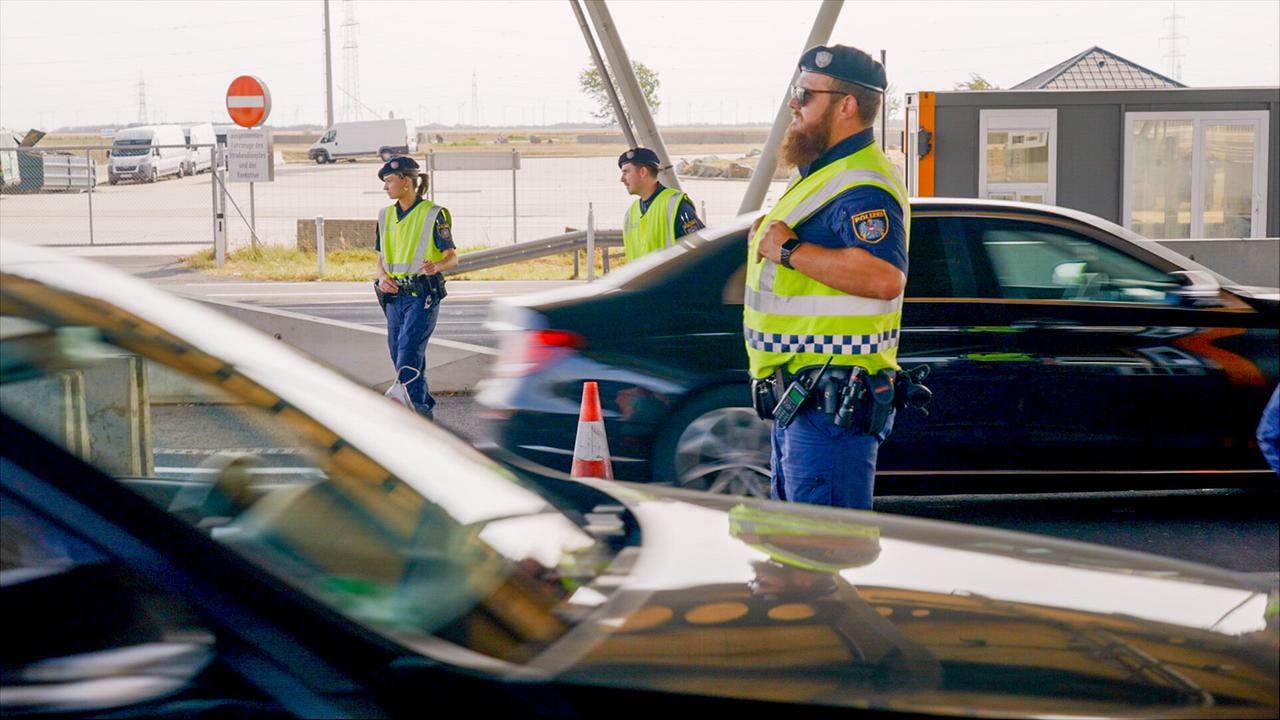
(77, 203)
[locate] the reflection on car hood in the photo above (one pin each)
(795, 603)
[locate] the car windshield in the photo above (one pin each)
(129, 147)
(459, 551)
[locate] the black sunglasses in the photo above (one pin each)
(802, 95)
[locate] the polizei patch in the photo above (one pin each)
(871, 226)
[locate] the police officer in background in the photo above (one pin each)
(415, 246)
(825, 276)
(660, 215)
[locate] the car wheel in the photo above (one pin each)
(321, 159)
(155, 175)
(182, 171)
(717, 444)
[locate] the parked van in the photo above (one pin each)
(199, 158)
(384, 138)
(148, 153)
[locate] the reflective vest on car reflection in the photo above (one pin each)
(791, 320)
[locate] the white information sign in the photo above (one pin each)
(250, 155)
(107, 133)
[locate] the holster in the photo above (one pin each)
(879, 400)
(763, 397)
(382, 297)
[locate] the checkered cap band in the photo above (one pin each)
(822, 344)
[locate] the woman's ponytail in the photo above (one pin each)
(422, 185)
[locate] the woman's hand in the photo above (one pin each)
(387, 285)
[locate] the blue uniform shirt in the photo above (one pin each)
(834, 225)
(686, 218)
(442, 234)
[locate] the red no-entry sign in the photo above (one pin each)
(248, 101)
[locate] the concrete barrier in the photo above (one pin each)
(1249, 261)
(361, 352)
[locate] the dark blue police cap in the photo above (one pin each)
(845, 63)
(402, 164)
(639, 155)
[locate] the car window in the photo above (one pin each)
(202, 441)
(938, 264)
(1038, 262)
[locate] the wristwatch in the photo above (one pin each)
(788, 247)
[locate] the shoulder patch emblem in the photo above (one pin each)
(871, 226)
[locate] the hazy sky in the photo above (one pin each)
(80, 62)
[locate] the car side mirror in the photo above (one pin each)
(1069, 273)
(1196, 287)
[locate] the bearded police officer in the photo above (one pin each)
(415, 244)
(660, 215)
(825, 275)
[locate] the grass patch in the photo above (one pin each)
(280, 263)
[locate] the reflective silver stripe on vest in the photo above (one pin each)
(818, 305)
(428, 228)
(835, 186)
(419, 253)
(822, 344)
(672, 206)
(382, 235)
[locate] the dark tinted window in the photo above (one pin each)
(1036, 261)
(939, 265)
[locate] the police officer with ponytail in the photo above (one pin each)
(415, 247)
(826, 270)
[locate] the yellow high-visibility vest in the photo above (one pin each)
(407, 242)
(793, 321)
(643, 233)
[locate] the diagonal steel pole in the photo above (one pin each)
(646, 129)
(605, 77)
(763, 175)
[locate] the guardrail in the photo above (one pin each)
(554, 245)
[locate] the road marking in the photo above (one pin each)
(242, 451)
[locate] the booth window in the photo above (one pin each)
(1019, 155)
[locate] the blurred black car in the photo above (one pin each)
(198, 522)
(1066, 352)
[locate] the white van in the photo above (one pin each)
(148, 153)
(384, 138)
(199, 158)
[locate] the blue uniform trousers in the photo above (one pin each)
(409, 326)
(816, 462)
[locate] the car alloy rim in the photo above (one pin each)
(725, 451)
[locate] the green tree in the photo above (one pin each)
(591, 84)
(976, 82)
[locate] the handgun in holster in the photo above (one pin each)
(794, 396)
(382, 297)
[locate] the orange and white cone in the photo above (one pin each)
(591, 448)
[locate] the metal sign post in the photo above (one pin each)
(219, 189)
(591, 243)
(88, 166)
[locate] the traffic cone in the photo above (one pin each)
(591, 448)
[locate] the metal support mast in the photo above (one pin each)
(760, 179)
(629, 87)
(609, 88)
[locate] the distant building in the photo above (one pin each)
(1104, 135)
(1097, 69)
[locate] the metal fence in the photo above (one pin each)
(75, 196)
(552, 197)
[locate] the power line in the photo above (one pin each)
(157, 55)
(131, 30)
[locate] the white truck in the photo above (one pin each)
(384, 138)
